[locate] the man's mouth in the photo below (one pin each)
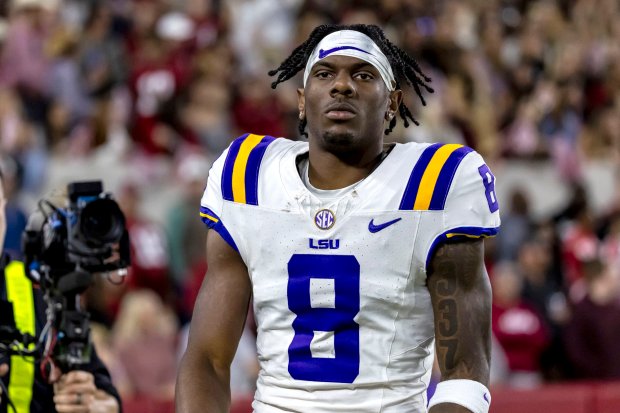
(339, 115)
(340, 112)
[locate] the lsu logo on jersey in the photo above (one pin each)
(324, 244)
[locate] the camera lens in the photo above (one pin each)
(102, 222)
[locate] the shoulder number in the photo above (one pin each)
(488, 179)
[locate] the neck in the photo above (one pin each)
(328, 170)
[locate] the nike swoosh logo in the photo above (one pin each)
(376, 228)
(485, 398)
(323, 53)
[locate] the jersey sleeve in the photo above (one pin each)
(471, 207)
(212, 202)
(234, 180)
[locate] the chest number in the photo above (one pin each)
(324, 293)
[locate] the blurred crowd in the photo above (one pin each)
(151, 91)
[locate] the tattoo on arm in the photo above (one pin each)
(447, 324)
(448, 327)
(460, 294)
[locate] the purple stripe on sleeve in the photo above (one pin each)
(413, 185)
(229, 164)
(217, 226)
(252, 170)
(462, 233)
(444, 180)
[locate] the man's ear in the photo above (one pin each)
(301, 99)
(396, 98)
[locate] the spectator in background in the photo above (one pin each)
(101, 57)
(143, 15)
(207, 113)
(611, 243)
(24, 64)
(540, 288)
(516, 227)
(187, 240)
(101, 337)
(160, 72)
(543, 290)
(561, 126)
(144, 340)
(261, 31)
(593, 334)
(600, 138)
(580, 244)
(67, 87)
(521, 136)
(432, 118)
(214, 63)
(16, 218)
(255, 97)
(150, 256)
(23, 140)
(208, 20)
(519, 329)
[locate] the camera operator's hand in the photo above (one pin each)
(4, 369)
(75, 392)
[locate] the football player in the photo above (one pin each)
(362, 259)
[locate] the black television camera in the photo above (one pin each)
(63, 249)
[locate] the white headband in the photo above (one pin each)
(354, 44)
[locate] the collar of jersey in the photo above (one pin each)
(293, 182)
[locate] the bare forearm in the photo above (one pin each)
(201, 387)
(461, 298)
(462, 359)
(462, 336)
(203, 381)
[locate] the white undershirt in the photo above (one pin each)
(303, 166)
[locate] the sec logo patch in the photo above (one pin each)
(324, 219)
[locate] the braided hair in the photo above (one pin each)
(404, 66)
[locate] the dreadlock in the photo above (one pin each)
(403, 66)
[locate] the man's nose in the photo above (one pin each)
(343, 84)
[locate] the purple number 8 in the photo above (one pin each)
(488, 179)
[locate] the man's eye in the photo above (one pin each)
(365, 76)
(322, 75)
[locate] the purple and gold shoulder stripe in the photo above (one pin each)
(241, 168)
(214, 222)
(431, 177)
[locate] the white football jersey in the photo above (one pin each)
(344, 316)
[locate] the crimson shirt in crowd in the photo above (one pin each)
(150, 258)
(522, 334)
